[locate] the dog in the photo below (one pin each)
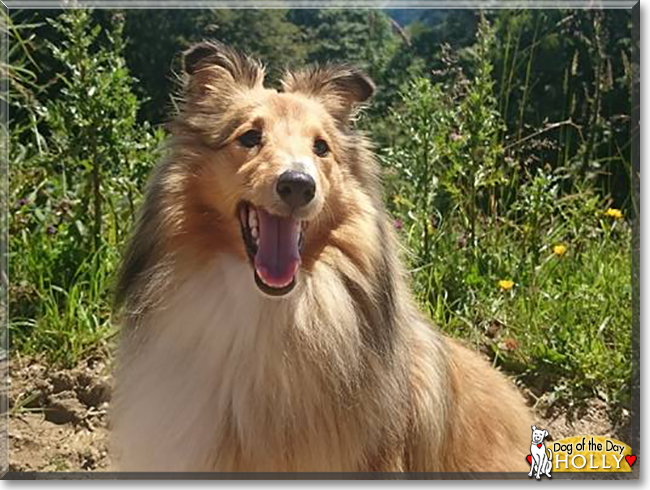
(541, 461)
(267, 321)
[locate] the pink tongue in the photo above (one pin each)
(277, 257)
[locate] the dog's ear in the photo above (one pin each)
(196, 55)
(545, 433)
(534, 427)
(209, 63)
(342, 89)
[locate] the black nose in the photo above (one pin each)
(297, 189)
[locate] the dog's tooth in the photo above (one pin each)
(254, 232)
(252, 219)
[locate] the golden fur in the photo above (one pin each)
(342, 374)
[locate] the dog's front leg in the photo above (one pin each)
(538, 462)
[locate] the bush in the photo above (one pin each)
(525, 266)
(74, 191)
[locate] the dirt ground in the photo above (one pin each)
(58, 418)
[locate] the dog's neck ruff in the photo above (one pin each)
(244, 370)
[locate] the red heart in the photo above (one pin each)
(530, 459)
(539, 445)
(630, 459)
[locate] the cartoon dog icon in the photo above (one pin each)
(541, 462)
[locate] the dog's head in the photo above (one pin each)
(270, 169)
(538, 435)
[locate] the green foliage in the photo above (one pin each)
(360, 37)
(521, 263)
(93, 124)
(275, 40)
(450, 151)
(156, 37)
(568, 66)
(18, 72)
(75, 190)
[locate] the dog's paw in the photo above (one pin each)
(537, 477)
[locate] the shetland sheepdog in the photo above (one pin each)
(267, 321)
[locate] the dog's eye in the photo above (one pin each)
(250, 138)
(321, 148)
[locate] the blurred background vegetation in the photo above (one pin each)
(504, 137)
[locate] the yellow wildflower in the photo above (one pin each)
(614, 213)
(506, 284)
(559, 250)
(399, 200)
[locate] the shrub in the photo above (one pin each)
(514, 259)
(74, 194)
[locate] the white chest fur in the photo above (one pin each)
(227, 379)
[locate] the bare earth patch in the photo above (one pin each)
(591, 419)
(58, 417)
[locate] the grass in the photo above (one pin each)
(562, 324)
(523, 258)
(65, 319)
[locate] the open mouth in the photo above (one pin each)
(273, 244)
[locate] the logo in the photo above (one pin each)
(540, 458)
(577, 454)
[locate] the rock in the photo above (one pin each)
(64, 408)
(61, 381)
(36, 370)
(84, 379)
(38, 397)
(96, 393)
(89, 458)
